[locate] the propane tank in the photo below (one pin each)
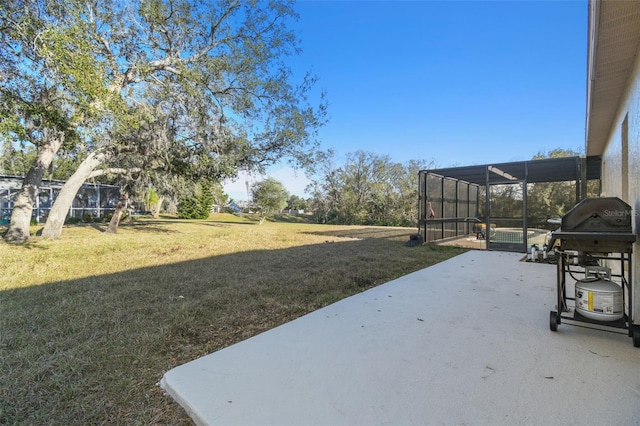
(597, 297)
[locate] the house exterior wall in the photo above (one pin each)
(620, 179)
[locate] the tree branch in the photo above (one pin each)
(114, 171)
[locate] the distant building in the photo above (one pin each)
(92, 199)
(234, 207)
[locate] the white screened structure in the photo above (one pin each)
(93, 199)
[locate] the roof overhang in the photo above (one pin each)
(535, 171)
(614, 42)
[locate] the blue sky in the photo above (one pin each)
(456, 82)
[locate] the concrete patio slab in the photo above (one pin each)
(466, 341)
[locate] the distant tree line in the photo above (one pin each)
(371, 189)
(554, 199)
(366, 189)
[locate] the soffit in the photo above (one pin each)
(614, 37)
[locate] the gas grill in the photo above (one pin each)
(598, 225)
(594, 249)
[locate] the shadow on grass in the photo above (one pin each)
(369, 232)
(153, 225)
(230, 222)
(235, 220)
(30, 245)
(291, 218)
(91, 350)
(147, 226)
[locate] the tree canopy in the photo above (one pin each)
(554, 199)
(367, 188)
(270, 196)
(198, 89)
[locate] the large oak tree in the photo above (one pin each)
(211, 76)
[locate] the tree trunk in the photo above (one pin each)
(64, 200)
(18, 232)
(155, 210)
(120, 208)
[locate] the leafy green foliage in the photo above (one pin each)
(297, 203)
(206, 199)
(270, 196)
(188, 208)
(221, 198)
(179, 90)
(553, 199)
(367, 189)
(198, 205)
(15, 161)
(152, 198)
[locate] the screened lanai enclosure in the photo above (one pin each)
(505, 206)
(92, 200)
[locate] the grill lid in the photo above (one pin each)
(605, 214)
(597, 225)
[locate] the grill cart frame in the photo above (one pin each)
(595, 231)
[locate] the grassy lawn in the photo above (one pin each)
(90, 322)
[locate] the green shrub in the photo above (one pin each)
(88, 218)
(197, 206)
(188, 209)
